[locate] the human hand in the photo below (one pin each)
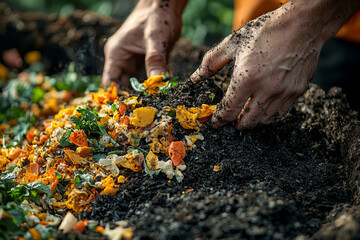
(150, 31)
(275, 56)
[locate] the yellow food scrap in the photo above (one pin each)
(4, 72)
(217, 168)
(154, 83)
(152, 161)
(32, 57)
(108, 185)
(143, 116)
(74, 157)
(206, 110)
(131, 101)
(186, 119)
(155, 145)
(121, 179)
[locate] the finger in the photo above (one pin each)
(251, 114)
(215, 59)
(111, 73)
(233, 102)
(277, 110)
(156, 41)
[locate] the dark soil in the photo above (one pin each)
(297, 178)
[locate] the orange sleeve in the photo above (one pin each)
(246, 10)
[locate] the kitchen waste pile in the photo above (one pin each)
(62, 148)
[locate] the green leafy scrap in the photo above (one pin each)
(6, 184)
(136, 85)
(30, 191)
(173, 81)
(65, 139)
(81, 178)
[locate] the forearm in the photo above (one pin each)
(324, 17)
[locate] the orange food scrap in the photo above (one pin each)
(15, 153)
(78, 137)
(80, 226)
(30, 135)
(35, 234)
(54, 185)
(177, 152)
(34, 168)
(30, 177)
(84, 151)
(143, 116)
(74, 157)
(122, 109)
(124, 120)
(99, 229)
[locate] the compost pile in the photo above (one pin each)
(297, 178)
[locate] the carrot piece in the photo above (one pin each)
(99, 229)
(53, 186)
(124, 120)
(16, 153)
(79, 226)
(34, 167)
(122, 109)
(177, 152)
(78, 137)
(30, 135)
(43, 138)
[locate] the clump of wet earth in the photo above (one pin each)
(295, 179)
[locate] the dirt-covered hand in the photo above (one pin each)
(145, 38)
(275, 56)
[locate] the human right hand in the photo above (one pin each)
(275, 56)
(145, 38)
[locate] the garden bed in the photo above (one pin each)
(298, 178)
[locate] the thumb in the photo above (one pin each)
(215, 59)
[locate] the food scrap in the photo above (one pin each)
(61, 151)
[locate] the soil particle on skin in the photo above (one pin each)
(295, 179)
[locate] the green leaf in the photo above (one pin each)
(40, 187)
(80, 178)
(65, 139)
(59, 176)
(114, 107)
(98, 156)
(116, 152)
(171, 114)
(136, 85)
(212, 97)
(38, 94)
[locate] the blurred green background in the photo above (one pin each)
(205, 22)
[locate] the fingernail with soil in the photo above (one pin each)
(156, 72)
(195, 76)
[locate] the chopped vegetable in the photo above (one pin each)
(177, 152)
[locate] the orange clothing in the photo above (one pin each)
(245, 10)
